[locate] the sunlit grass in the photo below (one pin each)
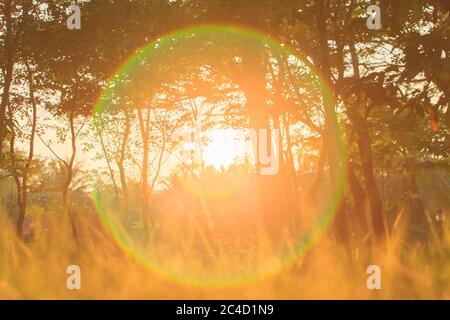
(36, 268)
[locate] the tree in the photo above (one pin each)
(13, 19)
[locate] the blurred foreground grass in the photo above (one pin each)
(36, 269)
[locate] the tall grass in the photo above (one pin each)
(35, 267)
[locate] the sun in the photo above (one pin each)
(225, 147)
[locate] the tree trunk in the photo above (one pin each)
(24, 188)
(364, 143)
(320, 167)
(252, 81)
(120, 165)
(144, 128)
(16, 176)
(287, 176)
(269, 188)
(69, 177)
(10, 44)
(8, 70)
(292, 176)
(290, 156)
(331, 128)
(358, 199)
(108, 163)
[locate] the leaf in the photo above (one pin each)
(358, 12)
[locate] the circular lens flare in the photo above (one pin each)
(198, 236)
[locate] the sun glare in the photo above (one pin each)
(224, 148)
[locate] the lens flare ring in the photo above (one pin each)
(129, 74)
